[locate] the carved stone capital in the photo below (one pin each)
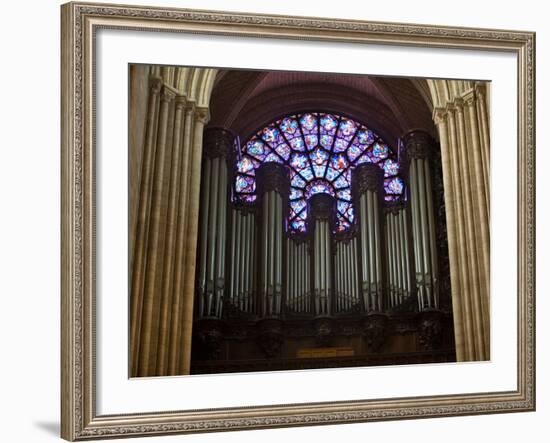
(190, 108)
(217, 142)
(202, 115)
(469, 98)
(419, 144)
(367, 177)
(181, 102)
(480, 90)
(155, 85)
(439, 116)
(167, 94)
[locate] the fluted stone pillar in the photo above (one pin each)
(464, 133)
(368, 191)
(163, 254)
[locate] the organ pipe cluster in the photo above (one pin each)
(213, 221)
(346, 276)
(243, 261)
(298, 274)
(398, 262)
(389, 255)
(272, 257)
(419, 148)
(368, 188)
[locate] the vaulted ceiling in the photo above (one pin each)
(244, 101)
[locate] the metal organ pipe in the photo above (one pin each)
(354, 280)
(431, 231)
(279, 228)
(399, 250)
(407, 259)
(389, 246)
(424, 230)
(242, 250)
(204, 234)
(417, 232)
(221, 228)
(364, 253)
(248, 262)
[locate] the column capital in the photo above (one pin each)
(181, 102)
(480, 89)
(202, 114)
(469, 97)
(439, 115)
(168, 94)
(155, 84)
(418, 144)
(218, 142)
(367, 176)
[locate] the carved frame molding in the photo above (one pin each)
(80, 21)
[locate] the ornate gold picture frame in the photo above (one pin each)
(80, 24)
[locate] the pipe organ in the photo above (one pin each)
(250, 266)
(419, 148)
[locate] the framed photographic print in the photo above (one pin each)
(282, 221)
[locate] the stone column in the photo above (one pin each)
(164, 234)
(463, 130)
(152, 244)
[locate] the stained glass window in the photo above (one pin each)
(321, 150)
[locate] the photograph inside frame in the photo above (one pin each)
(283, 220)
